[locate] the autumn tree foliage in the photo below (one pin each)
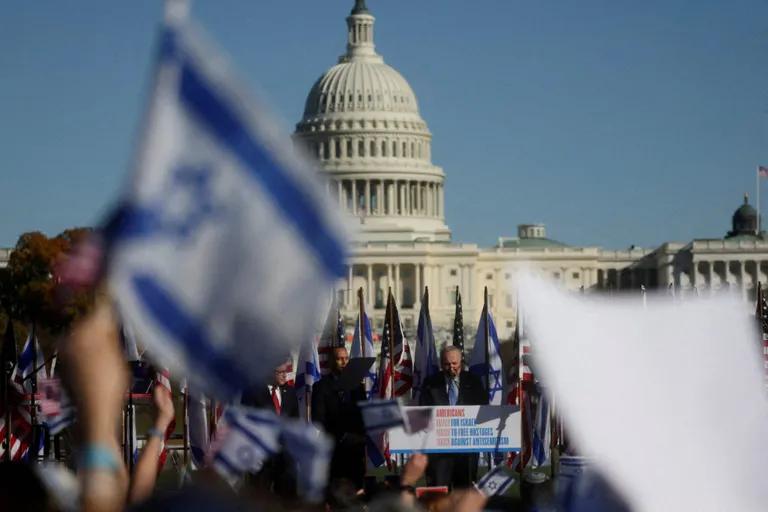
(28, 288)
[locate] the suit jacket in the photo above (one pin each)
(337, 410)
(260, 397)
(471, 390)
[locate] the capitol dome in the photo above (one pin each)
(361, 120)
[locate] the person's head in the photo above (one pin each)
(450, 361)
(281, 374)
(339, 360)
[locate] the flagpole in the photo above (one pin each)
(757, 187)
(487, 335)
(32, 405)
(360, 334)
(391, 342)
(7, 384)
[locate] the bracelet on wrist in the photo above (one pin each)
(156, 432)
(96, 456)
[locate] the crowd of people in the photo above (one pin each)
(97, 377)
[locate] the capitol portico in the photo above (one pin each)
(362, 122)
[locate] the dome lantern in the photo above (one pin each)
(360, 35)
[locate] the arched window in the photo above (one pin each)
(413, 150)
(349, 147)
(338, 148)
(405, 149)
(373, 148)
(326, 150)
(361, 148)
(394, 148)
(383, 148)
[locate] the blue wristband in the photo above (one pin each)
(97, 456)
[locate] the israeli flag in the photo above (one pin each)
(542, 432)
(426, 353)
(491, 369)
(31, 361)
(224, 232)
(307, 373)
(380, 415)
(356, 351)
(495, 482)
(311, 450)
(197, 427)
(251, 436)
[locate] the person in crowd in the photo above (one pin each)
(336, 410)
(279, 472)
(452, 386)
(277, 395)
(145, 473)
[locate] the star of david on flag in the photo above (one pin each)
(489, 371)
(224, 233)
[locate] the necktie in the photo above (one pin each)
(453, 392)
(275, 399)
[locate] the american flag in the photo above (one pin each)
(399, 361)
(332, 336)
(458, 325)
(761, 313)
(762, 171)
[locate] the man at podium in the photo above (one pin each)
(452, 386)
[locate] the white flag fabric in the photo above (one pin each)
(541, 435)
(311, 450)
(489, 371)
(197, 425)
(248, 437)
(307, 373)
(380, 415)
(31, 361)
(496, 481)
(356, 351)
(668, 400)
(224, 233)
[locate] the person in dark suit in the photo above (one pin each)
(452, 386)
(279, 472)
(336, 410)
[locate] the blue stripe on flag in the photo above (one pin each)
(223, 122)
(234, 470)
(251, 436)
(185, 329)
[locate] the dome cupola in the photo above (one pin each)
(744, 220)
(361, 120)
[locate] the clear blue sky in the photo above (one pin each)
(615, 122)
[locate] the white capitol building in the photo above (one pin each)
(361, 119)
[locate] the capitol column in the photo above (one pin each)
(417, 286)
(380, 197)
(401, 196)
(368, 197)
(418, 197)
(354, 197)
(370, 284)
(398, 286)
(340, 195)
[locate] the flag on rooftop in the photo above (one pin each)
(364, 349)
(219, 200)
(485, 359)
(426, 363)
(762, 171)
